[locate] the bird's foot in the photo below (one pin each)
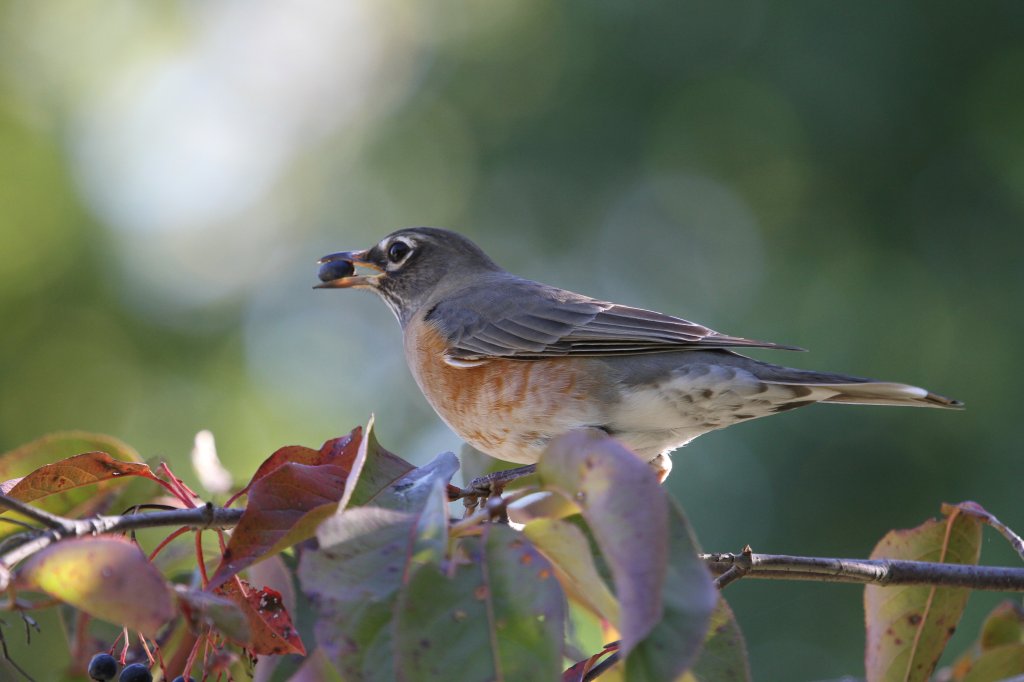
(491, 486)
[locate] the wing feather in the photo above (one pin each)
(517, 318)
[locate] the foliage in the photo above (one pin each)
(397, 589)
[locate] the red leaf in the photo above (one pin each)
(288, 499)
(577, 672)
(270, 626)
(338, 450)
(74, 472)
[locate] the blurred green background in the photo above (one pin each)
(847, 177)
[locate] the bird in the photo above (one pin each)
(509, 364)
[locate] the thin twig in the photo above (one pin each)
(987, 517)
(865, 571)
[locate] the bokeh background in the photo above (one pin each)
(847, 177)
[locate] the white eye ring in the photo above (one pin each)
(398, 251)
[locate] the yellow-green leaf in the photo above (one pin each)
(107, 577)
(567, 549)
(908, 626)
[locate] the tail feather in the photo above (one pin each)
(880, 393)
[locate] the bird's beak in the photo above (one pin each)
(338, 270)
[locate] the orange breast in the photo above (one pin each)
(508, 409)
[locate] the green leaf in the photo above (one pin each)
(108, 577)
(1004, 625)
(353, 579)
(997, 663)
(689, 597)
(499, 616)
(723, 657)
(908, 626)
(567, 549)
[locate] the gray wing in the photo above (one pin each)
(517, 318)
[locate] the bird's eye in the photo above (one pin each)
(398, 251)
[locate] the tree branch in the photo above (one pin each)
(729, 567)
(23, 545)
(864, 571)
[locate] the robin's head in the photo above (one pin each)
(408, 267)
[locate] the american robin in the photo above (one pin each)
(509, 363)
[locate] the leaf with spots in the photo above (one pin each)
(270, 627)
(88, 468)
(498, 613)
(365, 557)
(568, 550)
(908, 626)
(298, 488)
(107, 577)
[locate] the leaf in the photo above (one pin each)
(499, 616)
(607, 481)
(999, 663)
(541, 505)
(689, 598)
(107, 577)
(205, 610)
(565, 546)
(1002, 629)
(908, 626)
(19, 464)
(578, 672)
(1004, 625)
(81, 470)
(270, 626)
(315, 668)
(410, 492)
(723, 657)
(55, 446)
(353, 579)
(289, 499)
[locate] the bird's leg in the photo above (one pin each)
(491, 485)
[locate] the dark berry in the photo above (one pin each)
(102, 667)
(136, 672)
(335, 269)
(179, 678)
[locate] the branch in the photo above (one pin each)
(23, 545)
(731, 567)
